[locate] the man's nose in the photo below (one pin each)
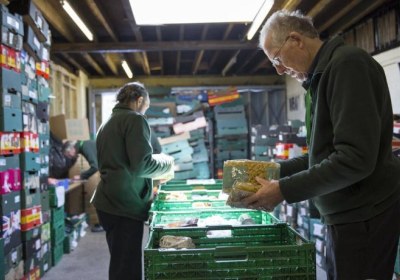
(280, 69)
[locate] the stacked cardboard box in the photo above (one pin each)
(24, 105)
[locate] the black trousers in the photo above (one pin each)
(364, 250)
(124, 239)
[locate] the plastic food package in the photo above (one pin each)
(176, 242)
(176, 196)
(244, 170)
(239, 191)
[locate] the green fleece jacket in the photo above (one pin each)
(349, 171)
(87, 148)
(126, 165)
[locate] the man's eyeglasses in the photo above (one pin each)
(276, 61)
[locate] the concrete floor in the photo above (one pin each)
(89, 261)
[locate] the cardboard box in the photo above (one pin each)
(71, 129)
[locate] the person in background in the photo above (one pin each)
(87, 148)
(127, 165)
(349, 172)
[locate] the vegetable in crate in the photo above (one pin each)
(176, 242)
(244, 170)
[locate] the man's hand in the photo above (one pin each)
(266, 198)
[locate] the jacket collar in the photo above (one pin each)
(322, 59)
(120, 106)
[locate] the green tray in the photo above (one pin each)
(184, 206)
(161, 219)
(186, 187)
(191, 195)
(251, 252)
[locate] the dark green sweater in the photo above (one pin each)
(88, 150)
(126, 165)
(350, 171)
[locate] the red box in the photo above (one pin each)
(29, 142)
(16, 179)
(10, 58)
(220, 97)
(10, 143)
(31, 218)
(43, 69)
(6, 178)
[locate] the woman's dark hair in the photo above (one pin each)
(130, 92)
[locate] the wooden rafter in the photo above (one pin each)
(318, 8)
(199, 54)
(122, 47)
(178, 57)
(93, 63)
(138, 36)
(338, 15)
(228, 31)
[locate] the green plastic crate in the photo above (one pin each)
(184, 206)
(251, 252)
(185, 182)
(161, 219)
(190, 195)
(186, 187)
(57, 234)
(57, 252)
(57, 216)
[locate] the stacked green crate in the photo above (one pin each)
(75, 228)
(57, 229)
(229, 242)
(243, 252)
(45, 263)
(189, 200)
(205, 218)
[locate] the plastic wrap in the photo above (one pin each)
(245, 171)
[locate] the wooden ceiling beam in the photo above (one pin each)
(184, 81)
(138, 36)
(261, 64)
(318, 8)
(290, 5)
(93, 63)
(228, 31)
(160, 54)
(73, 62)
(199, 54)
(100, 17)
(338, 15)
(178, 56)
(245, 63)
(53, 16)
(352, 17)
(110, 63)
(123, 47)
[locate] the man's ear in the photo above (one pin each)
(140, 100)
(296, 36)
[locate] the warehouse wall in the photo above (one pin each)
(295, 99)
(390, 61)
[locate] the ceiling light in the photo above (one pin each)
(82, 26)
(127, 69)
(193, 11)
(260, 17)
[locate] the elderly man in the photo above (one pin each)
(349, 172)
